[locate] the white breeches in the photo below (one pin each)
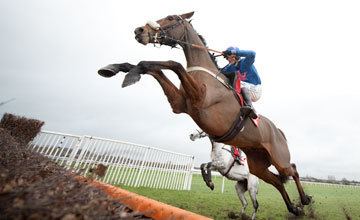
(255, 90)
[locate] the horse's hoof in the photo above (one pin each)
(112, 69)
(106, 72)
(232, 215)
(307, 200)
(253, 217)
(296, 210)
(212, 186)
(109, 70)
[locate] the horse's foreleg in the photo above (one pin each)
(173, 94)
(291, 171)
(112, 69)
(193, 91)
(206, 174)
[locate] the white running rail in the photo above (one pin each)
(127, 163)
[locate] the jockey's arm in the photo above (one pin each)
(228, 70)
(249, 60)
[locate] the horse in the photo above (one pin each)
(211, 104)
(226, 164)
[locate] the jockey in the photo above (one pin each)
(244, 69)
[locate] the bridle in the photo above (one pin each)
(161, 32)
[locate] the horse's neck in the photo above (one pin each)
(196, 56)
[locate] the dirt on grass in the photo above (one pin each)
(34, 187)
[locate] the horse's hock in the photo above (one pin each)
(33, 186)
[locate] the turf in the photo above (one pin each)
(329, 202)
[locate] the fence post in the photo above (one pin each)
(189, 174)
(74, 152)
(141, 167)
(223, 183)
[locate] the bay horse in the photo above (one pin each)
(212, 105)
(226, 163)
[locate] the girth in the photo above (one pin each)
(235, 127)
(233, 131)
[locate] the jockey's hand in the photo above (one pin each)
(225, 53)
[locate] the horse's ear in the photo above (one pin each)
(187, 15)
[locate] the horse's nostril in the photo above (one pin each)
(139, 30)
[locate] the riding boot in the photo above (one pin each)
(248, 107)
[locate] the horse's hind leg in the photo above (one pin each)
(258, 164)
(274, 180)
(291, 171)
(241, 187)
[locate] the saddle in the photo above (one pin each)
(236, 155)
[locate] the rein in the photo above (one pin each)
(161, 34)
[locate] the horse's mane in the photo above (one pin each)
(212, 56)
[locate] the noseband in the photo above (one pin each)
(161, 32)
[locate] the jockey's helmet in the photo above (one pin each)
(231, 51)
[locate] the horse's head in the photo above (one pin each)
(164, 31)
(197, 135)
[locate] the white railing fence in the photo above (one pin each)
(125, 163)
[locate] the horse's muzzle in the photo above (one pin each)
(141, 38)
(139, 30)
(141, 35)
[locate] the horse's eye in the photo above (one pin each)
(170, 18)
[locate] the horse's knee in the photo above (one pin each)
(176, 65)
(145, 66)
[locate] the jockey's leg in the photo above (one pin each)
(248, 103)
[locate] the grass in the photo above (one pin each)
(329, 202)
